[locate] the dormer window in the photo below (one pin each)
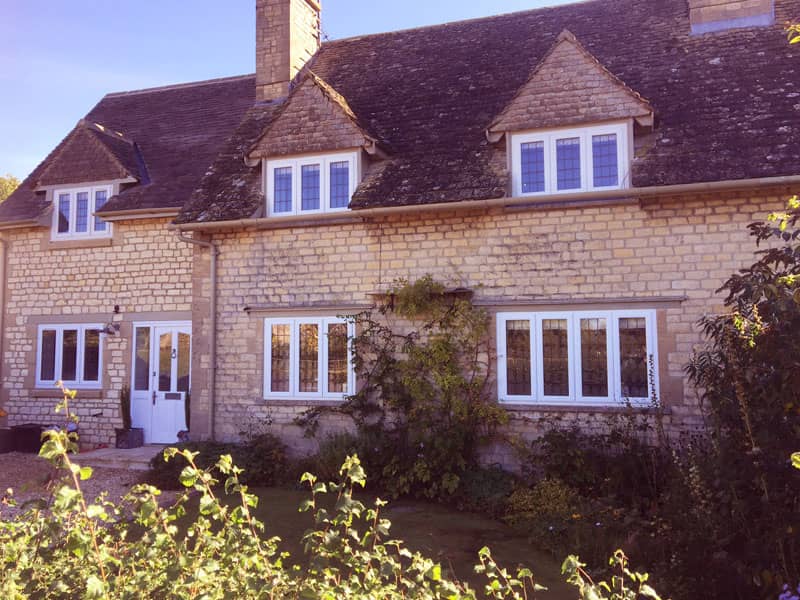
(571, 160)
(311, 184)
(73, 214)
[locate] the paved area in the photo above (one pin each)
(136, 459)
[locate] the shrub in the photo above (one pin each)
(424, 408)
(262, 459)
(134, 549)
(486, 490)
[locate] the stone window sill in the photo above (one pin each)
(87, 243)
(56, 393)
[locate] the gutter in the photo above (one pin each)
(546, 202)
(138, 213)
(212, 375)
(20, 224)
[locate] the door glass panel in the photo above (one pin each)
(337, 358)
(518, 358)
(47, 368)
(555, 357)
(141, 367)
(633, 357)
(279, 368)
(165, 362)
(309, 357)
(91, 355)
(69, 356)
(184, 358)
(594, 358)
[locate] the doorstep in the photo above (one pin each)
(136, 459)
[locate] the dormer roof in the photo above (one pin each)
(314, 118)
(569, 86)
(92, 152)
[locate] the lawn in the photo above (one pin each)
(451, 537)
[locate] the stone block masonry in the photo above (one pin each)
(670, 254)
(144, 270)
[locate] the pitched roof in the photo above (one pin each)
(569, 87)
(727, 105)
(170, 136)
(92, 152)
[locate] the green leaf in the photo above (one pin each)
(86, 473)
(94, 587)
(796, 460)
(649, 592)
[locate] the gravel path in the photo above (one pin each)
(32, 477)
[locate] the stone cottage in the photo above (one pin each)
(588, 170)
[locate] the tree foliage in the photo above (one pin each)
(7, 185)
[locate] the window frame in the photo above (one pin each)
(549, 138)
(296, 163)
(576, 398)
(72, 233)
(78, 383)
(294, 324)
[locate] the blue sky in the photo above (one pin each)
(59, 57)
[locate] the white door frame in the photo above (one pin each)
(144, 396)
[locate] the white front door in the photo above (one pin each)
(161, 380)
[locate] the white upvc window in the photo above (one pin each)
(311, 184)
(308, 358)
(571, 160)
(73, 212)
(585, 358)
(70, 353)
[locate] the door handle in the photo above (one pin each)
(154, 397)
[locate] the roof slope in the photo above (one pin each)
(177, 130)
(727, 105)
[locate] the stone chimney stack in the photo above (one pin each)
(287, 36)
(707, 16)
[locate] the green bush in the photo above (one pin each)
(134, 549)
(262, 458)
(486, 490)
(424, 407)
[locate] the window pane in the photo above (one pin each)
(337, 358)
(340, 184)
(518, 358)
(47, 367)
(532, 167)
(100, 198)
(604, 160)
(309, 357)
(309, 187)
(91, 355)
(165, 362)
(283, 190)
(63, 213)
(279, 368)
(633, 357)
(568, 163)
(141, 378)
(82, 212)
(555, 357)
(69, 355)
(594, 358)
(184, 357)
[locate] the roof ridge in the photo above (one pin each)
(460, 21)
(178, 86)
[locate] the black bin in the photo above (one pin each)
(26, 437)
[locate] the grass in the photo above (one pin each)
(451, 537)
